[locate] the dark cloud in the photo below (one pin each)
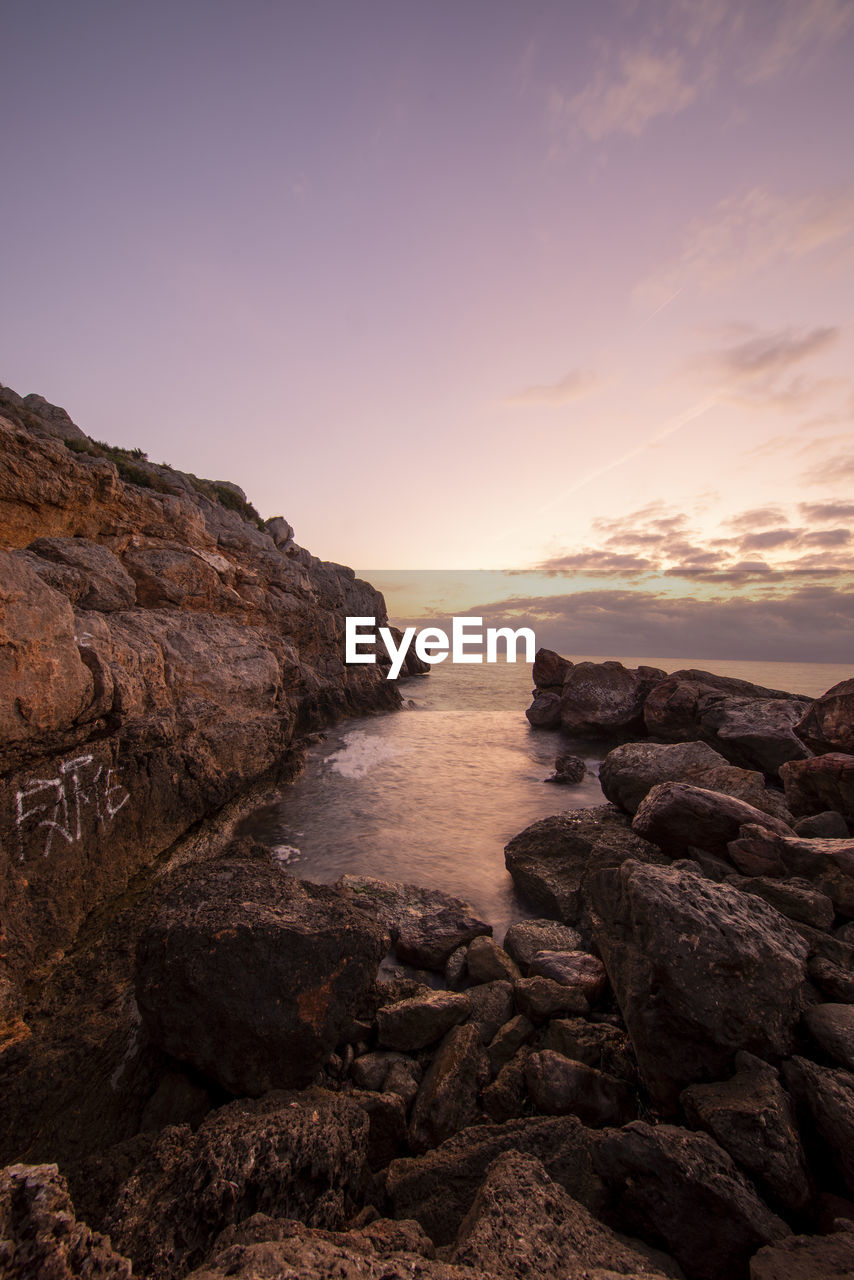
(827, 538)
(822, 512)
(769, 538)
(757, 518)
(593, 562)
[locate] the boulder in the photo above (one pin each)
(605, 699)
(827, 825)
(426, 925)
(370, 1070)
(550, 669)
(826, 1096)
(251, 976)
(820, 783)
(448, 1095)
(577, 969)
(677, 709)
(421, 1020)
(835, 983)
(796, 899)
(828, 724)
(404, 1078)
(487, 962)
(508, 1040)
(560, 1086)
(699, 971)
(569, 770)
(758, 733)
(541, 998)
(752, 1117)
(506, 1097)
(806, 1258)
(677, 816)
(491, 1007)
(828, 865)
(682, 1188)
(832, 1028)
(544, 711)
(597, 1044)
(525, 938)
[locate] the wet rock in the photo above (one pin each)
(544, 711)
(832, 1028)
(826, 1096)
(795, 899)
(602, 699)
(699, 971)
(426, 925)
(491, 1008)
(569, 770)
(541, 998)
(507, 1040)
(40, 1236)
(594, 1043)
(550, 669)
(525, 938)
(561, 1086)
(448, 1096)
(421, 1020)
(758, 733)
(824, 782)
(677, 816)
(439, 1188)
(455, 967)
(827, 825)
(806, 1258)
(560, 1239)
(828, 725)
(577, 969)
(505, 1098)
(689, 704)
(828, 865)
(682, 1188)
(752, 1117)
(487, 962)
(242, 973)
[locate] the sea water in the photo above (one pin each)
(432, 793)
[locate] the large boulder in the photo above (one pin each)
(426, 925)
(676, 710)
(526, 937)
(832, 1028)
(821, 783)
(806, 1258)
(252, 976)
(678, 816)
(758, 733)
(699, 970)
(605, 699)
(448, 1095)
(421, 1020)
(826, 864)
(550, 669)
(561, 1086)
(825, 1096)
(828, 725)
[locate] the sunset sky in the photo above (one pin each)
(458, 284)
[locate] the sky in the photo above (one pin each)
(558, 288)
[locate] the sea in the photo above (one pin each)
(431, 794)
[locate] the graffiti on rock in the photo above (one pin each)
(84, 795)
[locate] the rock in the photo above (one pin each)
(828, 865)
(569, 770)
(404, 1078)
(487, 962)
(751, 1116)
(99, 580)
(279, 530)
(795, 899)
(560, 1086)
(594, 1043)
(386, 1114)
(439, 1188)
(544, 711)
(455, 967)
(525, 938)
(577, 969)
(541, 998)
(421, 1020)
(370, 1070)
(690, 704)
(682, 1188)
(832, 1028)
(630, 771)
(491, 1008)
(699, 971)
(504, 1099)
(821, 783)
(845, 933)
(40, 1236)
(826, 1096)
(303, 1150)
(836, 983)
(448, 1096)
(604, 699)
(550, 669)
(806, 1258)
(507, 1041)
(243, 976)
(548, 861)
(560, 1239)
(827, 825)
(677, 816)
(828, 725)
(758, 733)
(426, 925)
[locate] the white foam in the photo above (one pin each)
(284, 853)
(361, 753)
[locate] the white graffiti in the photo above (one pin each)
(61, 806)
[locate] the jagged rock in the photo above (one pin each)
(823, 782)
(560, 1240)
(507, 1041)
(795, 899)
(826, 1095)
(835, 982)
(370, 1070)
(242, 973)
(94, 577)
(828, 725)
(604, 699)
(40, 1236)
(806, 1258)
(758, 733)
(751, 1116)
(595, 1043)
(550, 669)
(828, 865)
(576, 969)
(404, 1078)
(827, 825)
(455, 967)
(699, 971)
(832, 1027)
(541, 998)
(504, 1099)
(448, 1096)
(569, 770)
(439, 1188)
(304, 1150)
(421, 1020)
(544, 711)
(682, 1188)
(387, 1130)
(629, 772)
(525, 938)
(561, 1086)
(491, 1007)
(487, 962)
(677, 816)
(426, 925)
(279, 530)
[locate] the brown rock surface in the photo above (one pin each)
(829, 723)
(828, 865)
(677, 816)
(823, 782)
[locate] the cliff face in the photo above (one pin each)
(160, 649)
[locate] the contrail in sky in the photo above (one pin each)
(661, 306)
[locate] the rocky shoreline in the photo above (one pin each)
(210, 1068)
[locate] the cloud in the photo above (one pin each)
(646, 85)
(804, 28)
(591, 561)
(576, 384)
(757, 517)
(769, 352)
(769, 538)
(827, 538)
(760, 370)
(826, 511)
(832, 470)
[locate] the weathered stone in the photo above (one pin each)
(455, 967)
(525, 938)
(404, 1078)
(491, 1007)
(421, 1020)
(98, 580)
(369, 1070)
(487, 962)
(560, 1086)
(751, 1116)
(828, 865)
(827, 825)
(541, 998)
(806, 1258)
(601, 699)
(242, 973)
(387, 1131)
(828, 725)
(569, 770)
(550, 669)
(823, 782)
(795, 899)
(758, 733)
(426, 925)
(595, 1043)
(507, 1040)
(826, 1094)
(836, 983)
(688, 704)
(682, 1188)
(448, 1096)
(699, 971)
(832, 1027)
(677, 816)
(544, 711)
(576, 969)
(504, 1099)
